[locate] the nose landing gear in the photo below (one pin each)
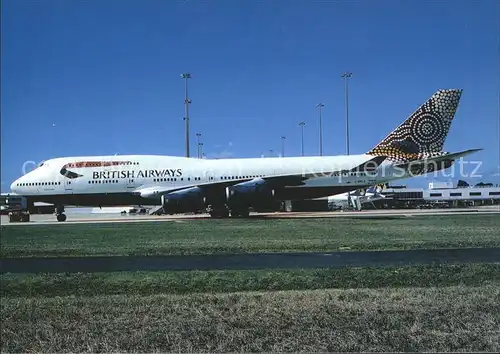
(60, 213)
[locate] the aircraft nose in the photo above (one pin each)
(13, 186)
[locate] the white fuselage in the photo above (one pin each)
(145, 174)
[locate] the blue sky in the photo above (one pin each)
(103, 77)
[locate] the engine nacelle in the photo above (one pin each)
(186, 200)
(249, 192)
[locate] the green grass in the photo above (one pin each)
(150, 283)
(419, 308)
(259, 235)
(459, 318)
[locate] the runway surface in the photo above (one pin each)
(74, 218)
(250, 261)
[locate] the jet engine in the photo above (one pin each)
(186, 200)
(248, 193)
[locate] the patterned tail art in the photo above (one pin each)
(423, 134)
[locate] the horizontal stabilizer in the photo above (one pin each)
(434, 163)
(445, 157)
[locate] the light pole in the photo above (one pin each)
(320, 106)
(346, 77)
(198, 144)
(302, 124)
(187, 101)
(200, 148)
(283, 146)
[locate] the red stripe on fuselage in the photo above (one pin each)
(84, 164)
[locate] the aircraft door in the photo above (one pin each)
(131, 183)
(68, 186)
(209, 177)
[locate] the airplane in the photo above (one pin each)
(230, 187)
(357, 198)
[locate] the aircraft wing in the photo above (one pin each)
(275, 180)
(296, 180)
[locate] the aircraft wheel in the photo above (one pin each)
(61, 217)
(242, 213)
(219, 213)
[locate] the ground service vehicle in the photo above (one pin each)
(17, 208)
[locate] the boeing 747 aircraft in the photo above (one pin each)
(231, 186)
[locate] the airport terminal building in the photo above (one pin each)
(438, 194)
(442, 192)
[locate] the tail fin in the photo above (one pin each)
(424, 132)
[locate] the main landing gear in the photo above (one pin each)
(222, 211)
(218, 211)
(60, 213)
(240, 213)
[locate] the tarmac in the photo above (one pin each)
(249, 261)
(82, 218)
